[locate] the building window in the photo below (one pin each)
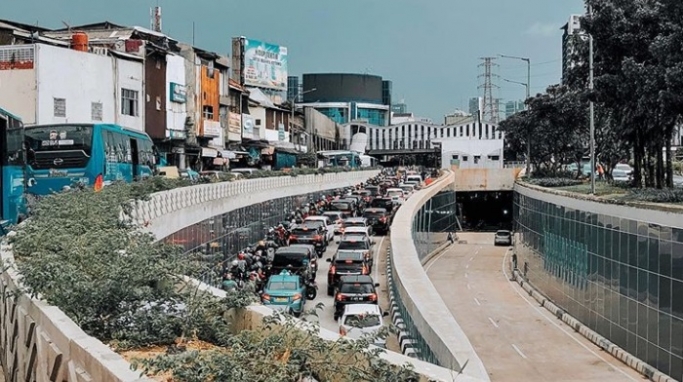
(129, 102)
(158, 102)
(257, 122)
(59, 107)
(96, 111)
(207, 112)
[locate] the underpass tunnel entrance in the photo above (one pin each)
(485, 210)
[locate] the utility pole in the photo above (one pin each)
(491, 112)
(528, 95)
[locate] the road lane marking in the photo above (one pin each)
(493, 322)
(552, 321)
(465, 274)
(435, 259)
(519, 351)
(467, 266)
(477, 301)
(468, 286)
(375, 261)
(471, 258)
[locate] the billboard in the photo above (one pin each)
(265, 65)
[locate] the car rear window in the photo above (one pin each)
(362, 320)
(282, 285)
(354, 224)
(353, 245)
(373, 214)
(296, 260)
(356, 288)
(341, 206)
(343, 257)
(304, 232)
(503, 233)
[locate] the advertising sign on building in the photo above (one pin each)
(234, 123)
(212, 129)
(178, 93)
(265, 65)
(247, 123)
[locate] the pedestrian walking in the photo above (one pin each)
(514, 261)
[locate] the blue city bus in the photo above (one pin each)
(64, 155)
(13, 206)
(340, 158)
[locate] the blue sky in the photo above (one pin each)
(430, 49)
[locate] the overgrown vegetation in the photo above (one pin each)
(638, 95)
(655, 196)
(125, 289)
(554, 182)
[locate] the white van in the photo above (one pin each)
(396, 194)
(362, 319)
(329, 225)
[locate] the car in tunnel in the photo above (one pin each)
(503, 237)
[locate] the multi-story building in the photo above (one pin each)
(51, 84)
(164, 97)
(512, 107)
(293, 89)
(476, 105)
(572, 33)
(347, 97)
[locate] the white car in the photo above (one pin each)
(620, 175)
(329, 225)
(362, 319)
(396, 194)
(408, 189)
(337, 218)
(363, 231)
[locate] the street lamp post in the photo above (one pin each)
(528, 95)
(591, 108)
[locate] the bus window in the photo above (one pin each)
(59, 146)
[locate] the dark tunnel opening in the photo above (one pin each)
(485, 210)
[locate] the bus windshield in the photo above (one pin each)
(58, 146)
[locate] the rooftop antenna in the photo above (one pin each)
(193, 33)
(68, 27)
(155, 18)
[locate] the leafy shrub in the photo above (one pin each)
(554, 182)
(655, 196)
(283, 351)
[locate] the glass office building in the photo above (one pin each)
(623, 278)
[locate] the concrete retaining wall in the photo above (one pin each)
(428, 312)
(485, 179)
(38, 342)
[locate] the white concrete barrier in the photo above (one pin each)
(428, 312)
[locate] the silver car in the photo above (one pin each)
(503, 237)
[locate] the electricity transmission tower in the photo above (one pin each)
(490, 112)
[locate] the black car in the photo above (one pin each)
(385, 203)
(354, 290)
(298, 260)
(345, 263)
(379, 219)
(309, 234)
(374, 190)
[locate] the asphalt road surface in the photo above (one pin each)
(516, 339)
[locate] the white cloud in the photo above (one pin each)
(543, 30)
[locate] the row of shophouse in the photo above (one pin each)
(182, 96)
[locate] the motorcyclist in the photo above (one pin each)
(229, 283)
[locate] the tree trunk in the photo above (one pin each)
(637, 162)
(659, 181)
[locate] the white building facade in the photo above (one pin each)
(413, 135)
(58, 85)
(467, 153)
(176, 97)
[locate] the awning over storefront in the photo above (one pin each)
(268, 150)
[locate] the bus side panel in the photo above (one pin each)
(13, 198)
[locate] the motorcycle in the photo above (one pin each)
(311, 290)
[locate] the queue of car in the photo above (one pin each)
(349, 218)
